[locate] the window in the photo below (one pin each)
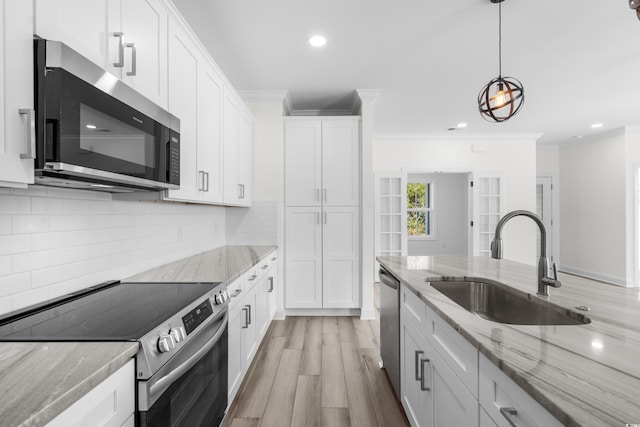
(420, 210)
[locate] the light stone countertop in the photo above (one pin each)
(40, 380)
(223, 264)
(585, 375)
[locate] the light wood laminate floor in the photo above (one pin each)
(318, 371)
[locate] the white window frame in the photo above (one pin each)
(430, 210)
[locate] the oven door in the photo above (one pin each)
(190, 389)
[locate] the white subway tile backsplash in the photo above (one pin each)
(56, 241)
(10, 204)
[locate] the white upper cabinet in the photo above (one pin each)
(237, 143)
(322, 162)
(127, 38)
(245, 147)
(303, 162)
(17, 139)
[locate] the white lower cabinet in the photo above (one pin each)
(110, 404)
(506, 403)
(250, 315)
(432, 394)
(447, 382)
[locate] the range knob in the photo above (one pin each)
(225, 295)
(177, 334)
(166, 343)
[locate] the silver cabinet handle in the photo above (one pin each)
(236, 293)
(246, 317)
(264, 267)
(417, 357)
(317, 218)
(274, 258)
(200, 180)
(270, 284)
(510, 414)
(324, 218)
(423, 376)
(324, 194)
(133, 59)
(120, 62)
(249, 315)
(253, 277)
(207, 182)
(241, 191)
(317, 198)
(30, 152)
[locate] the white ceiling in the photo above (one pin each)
(578, 59)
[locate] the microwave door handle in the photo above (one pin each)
(163, 383)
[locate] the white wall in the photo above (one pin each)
(592, 210)
(548, 165)
(56, 241)
(514, 156)
(451, 212)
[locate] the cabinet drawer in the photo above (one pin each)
(235, 291)
(413, 308)
(457, 352)
(498, 391)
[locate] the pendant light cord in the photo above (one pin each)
(500, 39)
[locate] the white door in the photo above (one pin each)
(303, 163)
(544, 209)
(183, 94)
(340, 257)
(340, 165)
(144, 24)
(210, 165)
(17, 144)
(390, 215)
(303, 257)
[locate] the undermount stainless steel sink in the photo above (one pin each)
(500, 303)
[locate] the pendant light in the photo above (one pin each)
(502, 97)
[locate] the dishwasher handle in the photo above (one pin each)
(388, 279)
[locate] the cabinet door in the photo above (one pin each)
(303, 271)
(302, 163)
(183, 93)
(262, 311)
(236, 323)
(144, 24)
(249, 330)
(340, 257)
(230, 144)
(88, 27)
(245, 146)
(16, 93)
(417, 403)
(340, 163)
(272, 280)
(210, 166)
(453, 403)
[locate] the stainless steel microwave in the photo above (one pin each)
(94, 132)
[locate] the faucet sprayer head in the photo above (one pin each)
(496, 248)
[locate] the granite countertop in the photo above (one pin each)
(40, 380)
(585, 375)
(224, 264)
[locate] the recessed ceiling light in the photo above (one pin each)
(461, 125)
(91, 126)
(596, 125)
(317, 41)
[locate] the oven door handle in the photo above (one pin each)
(163, 383)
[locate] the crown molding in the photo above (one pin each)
(454, 135)
(369, 95)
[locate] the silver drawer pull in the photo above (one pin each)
(30, 151)
(236, 293)
(134, 60)
(120, 62)
(510, 414)
(423, 376)
(417, 356)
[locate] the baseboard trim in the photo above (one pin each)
(322, 312)
(279, 315)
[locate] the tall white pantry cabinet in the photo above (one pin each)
(322, 197)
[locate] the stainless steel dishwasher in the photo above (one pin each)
(390, 327)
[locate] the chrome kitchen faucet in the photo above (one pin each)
(544, 281)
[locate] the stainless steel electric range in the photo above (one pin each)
(181, 364)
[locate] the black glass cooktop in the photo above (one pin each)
(116, 312)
